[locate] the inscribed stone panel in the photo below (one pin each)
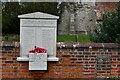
(27, 39)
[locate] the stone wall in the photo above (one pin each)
(80, 18)
(77, 18)
(76, 60)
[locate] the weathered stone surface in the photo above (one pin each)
(77, 18)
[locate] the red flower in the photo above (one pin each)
(38, 50)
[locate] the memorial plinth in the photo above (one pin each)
(38, 29)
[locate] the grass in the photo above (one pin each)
(73, 38)
(63, 38)
(83, 38)
(60, 38)
(10, 38)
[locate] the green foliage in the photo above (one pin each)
(10, 23)
(72, 38)
(10, 38)
(10, 11)
(109, 29)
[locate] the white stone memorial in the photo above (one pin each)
(38, 29)
(38, 61)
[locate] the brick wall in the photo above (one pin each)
(77, 60)
(101, 7)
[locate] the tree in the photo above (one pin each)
(10, 22)
(10, 11)
(109, 29)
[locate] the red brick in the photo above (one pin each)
(114, 69)
(105, 74)
(24, 64)
(52, 64)
(67, 67)
(16, 64)
(65, 61)
(94, 50)
(79, 69)
(52, 75)
(89, 76)
(114, 75)
(4, 58)
(7, 70)
(51, 69)
(74, 59)
(24, 70)
(78, 64)
(79, 75)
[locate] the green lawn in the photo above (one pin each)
(60, 38)
(84, 38)
(73, 38)
(10, 38)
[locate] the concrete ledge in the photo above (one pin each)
(22, 59)
(27, 59)
(53, 59)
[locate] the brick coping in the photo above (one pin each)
(66, 44)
